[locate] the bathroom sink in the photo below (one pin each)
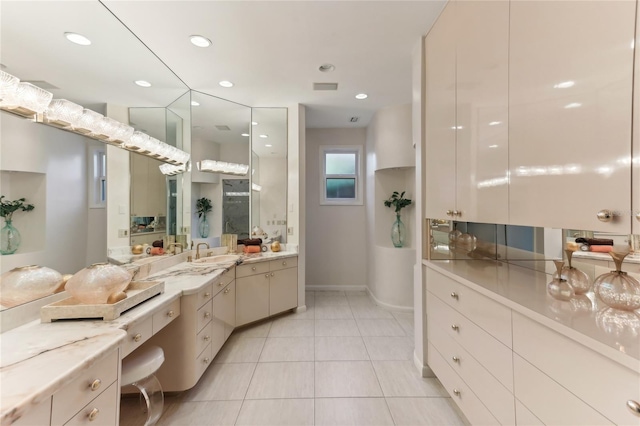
(224, 258)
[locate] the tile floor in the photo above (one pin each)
(345, 361)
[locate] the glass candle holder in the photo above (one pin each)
(617, 289)
(559, 288)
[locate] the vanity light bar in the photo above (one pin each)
(171, 170)
(30, 101)
(214, 166)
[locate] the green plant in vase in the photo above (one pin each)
(203, 206)
(398, 230)
(10, 238)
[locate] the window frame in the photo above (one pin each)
(341, 149)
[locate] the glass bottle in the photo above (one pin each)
(559, 288)
(575, 277)
(398, 232)
(618, 289)
(10, 238)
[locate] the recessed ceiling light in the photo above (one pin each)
(142, 83)
(268, 145)
(564, 85)
(246, 135)
(327, 67)
(573, 105)
(362, 96)
(495, 123)
(225, 83)
(77, 39)
(264, 136)
(254, 123)
(194, 103)
(200, 41)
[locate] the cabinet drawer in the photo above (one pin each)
(289, 262)
(205, 295)
(224, 305)
(39, 415)
(490, 353)
(490, 315)
(222, 281)
(252, 269)
(166, 315)
(203, 361)
(205, 313)
(550, 402)
(137, 334)
(498, 399)
(102, 411)
(69, 400)
(606, 388)
(203, 339)
(473, 409)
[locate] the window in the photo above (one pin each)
(340, 174)
(98, 179)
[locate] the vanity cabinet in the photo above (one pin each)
(193, 339)
(265, 289)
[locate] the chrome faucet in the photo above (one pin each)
(176, 245)
(198, 249)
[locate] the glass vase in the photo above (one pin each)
(559, 288)
(575, 277)
(10, 238)
(203, 228)
(616, 288)
(398, 232)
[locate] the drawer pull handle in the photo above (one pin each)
(454, 327)
(449, 212)
(455, 359)
(220, 284)
(207, 294)
(96, 384)
(253, 268)
(454, 295)
(170, 314)
(284, 263)
(137, 337)
(93, 414)
(207, 314)
(207, 338)
(266, 275)
(206, 360)
(634, 407)
(456, 392)
(227, 291)
(272, 274)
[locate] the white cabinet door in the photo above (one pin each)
(635, 184)
(440, 120)
(252, 298)
(482, 83)
(283, 290)
(570, 98)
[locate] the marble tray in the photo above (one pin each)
(70, 308)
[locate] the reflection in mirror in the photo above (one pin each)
(269, 164)
(219, 131)
(235, 207)
(58, 171)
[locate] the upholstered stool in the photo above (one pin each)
(138, 370)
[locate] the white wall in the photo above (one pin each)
(96, 217)
(273, 200)
(336, 235)
(118, 178)
(29, 147)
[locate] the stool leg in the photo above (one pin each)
(152, 392)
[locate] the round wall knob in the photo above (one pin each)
(93, 414)
(137, 337)
(454, 295)
(634, 407)
(456, 392)
(170, 314)
(455, 359)
(605, 215)
(455, 327)
(96, 384)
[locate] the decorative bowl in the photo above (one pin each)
(27, 283)
(93, 285)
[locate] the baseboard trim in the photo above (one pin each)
(424, 369)
(388, 305)
(300, 309)
(336, 287)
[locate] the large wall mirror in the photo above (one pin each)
(71, 227)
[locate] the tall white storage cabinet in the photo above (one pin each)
(570, 98)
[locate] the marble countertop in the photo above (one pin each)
(585, 319)
(38, 359)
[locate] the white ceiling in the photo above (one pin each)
(271, 50)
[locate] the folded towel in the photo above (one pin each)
(595, 241)
(157, 251)
(252, 249)
(601, 249)
(251, 242)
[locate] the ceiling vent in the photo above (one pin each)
(354, 119)
(42, 84)
(325, 86)
(222, 127)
